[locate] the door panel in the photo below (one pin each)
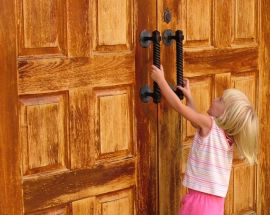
(76, 83)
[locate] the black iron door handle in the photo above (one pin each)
(145, 40)
(168, 37)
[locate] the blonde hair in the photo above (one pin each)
(239, 121)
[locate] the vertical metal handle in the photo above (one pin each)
(167, 40)
(156, 62)
(179, 37)
(145, 39)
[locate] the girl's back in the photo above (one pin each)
(209, 163)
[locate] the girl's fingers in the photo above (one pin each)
(186, 82)
(181, 88)
(155, 68)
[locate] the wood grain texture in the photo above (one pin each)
(196, 21)
(169, 121)
(10, 179)
(114, 132)
(119, 16)
(91, 131)
(226, 52)
(264, 109)
(43, 132)
(246, 82)
(81, 128)
(78, 28)
(198, 28)
(244, 179)
(222, 23)
(220, 61)
(74, 73)
(60, 188)
(114, 128)
(245, 22)
(116, 34)
(84, 206)
(116, 203)
(146, 116)
(42, 27)
(62, 210)
(84, 60)
(222, 82)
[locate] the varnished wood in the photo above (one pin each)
(73, 72)
(264, 109)
(169, 121)
(59, 188)
(44, 34)
(244, 178)
(198, 28)
(108, 205)
(10, 178)
(213, 61)
(221, 51)
(222, 23)
(76, 80)
(84, 206)
(146, 116)
(245, 22)
(62, 210)
(81, 122)
(219, 61)
(79, 30)
(122, 110)
(144, 165)
(222, 82)
(44, 141)
(247, 82)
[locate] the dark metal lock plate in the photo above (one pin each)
(144, 38)
(167, 37)
(167, 15)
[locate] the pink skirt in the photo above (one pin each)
(199, 203)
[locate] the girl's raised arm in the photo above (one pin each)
(202, 121)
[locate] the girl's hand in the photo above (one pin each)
(186, 89)
(157, 74)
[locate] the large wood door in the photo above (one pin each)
(221, 49)
(81, 142)
(81, 147)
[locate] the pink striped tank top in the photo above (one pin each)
(209, 163)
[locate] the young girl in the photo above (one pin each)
(231, 120)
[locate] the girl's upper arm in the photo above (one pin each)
(203, 121)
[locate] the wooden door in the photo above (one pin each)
(70, 64)
(220, 51)
(83, 149)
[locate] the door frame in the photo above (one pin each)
(146, 115)
(10, 173)
(263, 206)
